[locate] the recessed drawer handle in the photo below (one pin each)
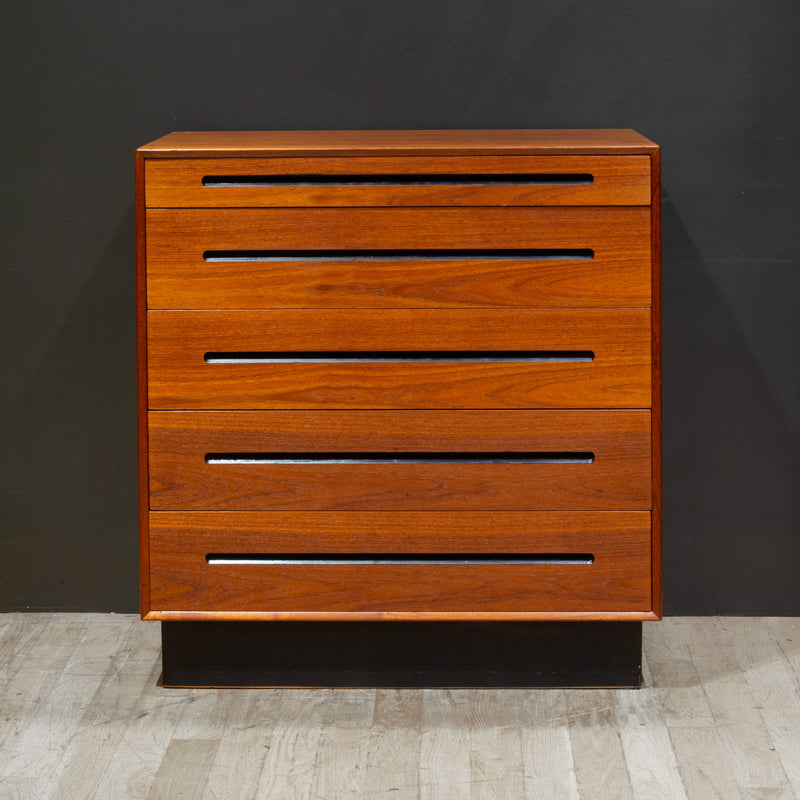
(404, 254)
(485, 179)
(399, 559)
(393, 357)
(483, 457)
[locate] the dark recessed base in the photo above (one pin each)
(402, 654)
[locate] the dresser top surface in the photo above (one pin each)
(198, 144)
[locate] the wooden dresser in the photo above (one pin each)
(399, 375)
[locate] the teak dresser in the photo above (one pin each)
(399, 375)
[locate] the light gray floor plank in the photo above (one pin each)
(340, 770)
(704, 763)
(31, 669)
(141, 649)
(22, 788)
(495, 744)
(674, 676)
(646, 744)
(87, 756)
(597, 753)
(38, 645)
(20, 633)
(288, 768)
(40, 749)
(107, 639)
(394, 745)
(6, 627)
(205, 714)
(756, 767)
(143, 742)
(244, 745)
(184, 769)
(772, 685)
(444, 764)
(786, 631)
(546, 749)
(237, 766)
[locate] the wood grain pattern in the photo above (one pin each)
(549, 770)
(774, 689)
(655, 271)
(754, 762)
(15, 788)
(395, 728)
(705, 765)
(389, 143)
(338, 770)
(184, 769)
(147, 734)
(249, 733)
(618, 478)
(38, 752)
(26, 662)
(179, 277)
(680, 691)
(618, 377)
(646, 745)
(616, 180)
(81, 771)
(444, 745)
(290, 762)
(379, 531)
(617, 581)
(622, 230)
(492, 747)
(600, 768)
(186, 280)
(141, 381)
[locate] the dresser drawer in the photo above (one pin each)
(477, 358)
(403, 181)
(384, 565)
(419, 460)
(186, 274)
(317, 258)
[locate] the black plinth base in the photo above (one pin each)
(402, 654)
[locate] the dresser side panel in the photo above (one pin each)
(655, 211)
(141, 378)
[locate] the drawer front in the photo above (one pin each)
(361, 563)
(410, 460)
(181, 276)
(379, 258)
(398, 181)
(557, 358)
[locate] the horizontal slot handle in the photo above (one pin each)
(486, 179)
(402, 458)
(399, 559)
(406, 356)
(404, 254)
(589, 358)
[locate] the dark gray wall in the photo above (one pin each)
(715, 82)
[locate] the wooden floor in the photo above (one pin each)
(81, 716)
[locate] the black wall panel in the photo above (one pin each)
(715, 82)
